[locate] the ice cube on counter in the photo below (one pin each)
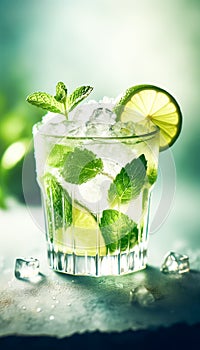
(27, 268)
(175, 263)
(141, 296)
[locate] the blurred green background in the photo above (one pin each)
(108, 44)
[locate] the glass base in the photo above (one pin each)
(109, 265)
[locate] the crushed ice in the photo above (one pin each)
(90, 119)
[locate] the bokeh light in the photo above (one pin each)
(13, 154)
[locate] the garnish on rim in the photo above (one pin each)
(150, 103)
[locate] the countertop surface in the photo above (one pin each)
(61, 305)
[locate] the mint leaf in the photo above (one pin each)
(77, 96)
(152, 175)
(61, 92)
(80, 166)
(58, 203)
(118, 230)
(57, 155)
(61, 103)
(129, 182)
(45, 101)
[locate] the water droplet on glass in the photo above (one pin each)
(57, 301)
(39, 309)
(52, 306)
(69, 304)
(24, 307)
(51, 317)
(54, 298)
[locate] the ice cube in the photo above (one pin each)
(27, 268)
(103, 115)
(83, 112)
(75, 129)
(175, 263)
(123, 129)
(98, 129)
(93, 194)
(141, 296)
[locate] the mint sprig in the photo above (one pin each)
(118, 230)
(80, 166)
(129, 182)
(62, 102)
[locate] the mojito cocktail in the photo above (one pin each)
(96, 171)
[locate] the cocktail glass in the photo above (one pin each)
(95, 191)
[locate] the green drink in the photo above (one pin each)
(96, 174)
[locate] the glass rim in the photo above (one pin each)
(94, 137)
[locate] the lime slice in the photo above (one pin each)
(83, 237)
(150, 103)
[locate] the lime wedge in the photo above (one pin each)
(150, 103)
(83, 237)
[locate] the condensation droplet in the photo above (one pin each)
(39, 309)
(51, 317)
(52, 306)
(24, 307)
